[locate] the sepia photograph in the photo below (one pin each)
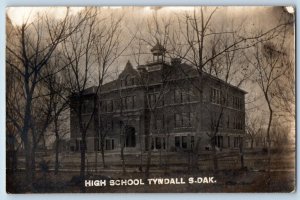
(150, 99)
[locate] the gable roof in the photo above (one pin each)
(128, 70)
(179, 71)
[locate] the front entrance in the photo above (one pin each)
(130, 136)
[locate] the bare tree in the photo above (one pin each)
(269, 63)
(285, 94)
(212, 50)
(253, 128)
(95, 46)
(156, 37)
(77, 52)
(29, 50)
(108, 47)
(55, 87)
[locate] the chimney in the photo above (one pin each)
(175, 61)
(141, 68)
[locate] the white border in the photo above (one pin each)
(174, 196)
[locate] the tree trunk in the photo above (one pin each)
(166, 155)
(33, 148)
(148, 163)
(27, 160)
(242, 155)
(268, 131)
(96, 158)
(123, 159)
(56, 147)
(269, 139)
(215, 158)
(122, 151)
(82, 162)
(102, 154)
(56, 155)
(25, 139)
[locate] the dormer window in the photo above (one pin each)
(128, 81)
(132, 81)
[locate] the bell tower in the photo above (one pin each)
(158, 52)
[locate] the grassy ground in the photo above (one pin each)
(251, 179)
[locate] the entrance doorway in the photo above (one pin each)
(130, 136)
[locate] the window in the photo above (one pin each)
(224, 98)
(184, 142)
(82, 146)
(228, 122)
(237, 102)
(109, 125)
(186, 95)
(109, 144)
(133, 101)
(124, 103)
(228, 140)
(217, 121)
(219, 141)
(192, 141)
(191, 115)
(105, 124)
(157, 143)
(215, 96)
(127, 81)
(116, 104)
(182, 95)
(151, 99)
(178, 121)
(147, 144)
(183, 119)
(103, 106)
(163, 122)
(237, 123)
(77, 146)
(129, 102)
(87, 106)
(177, 141)
(152, 143)
(130, 137)
(154, 98)
(159, 124)
(163, 143)
(110, 105)
(177, 96)
(236, 142)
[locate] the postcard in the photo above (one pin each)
(159, 99)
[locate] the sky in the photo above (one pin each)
(18, 14)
